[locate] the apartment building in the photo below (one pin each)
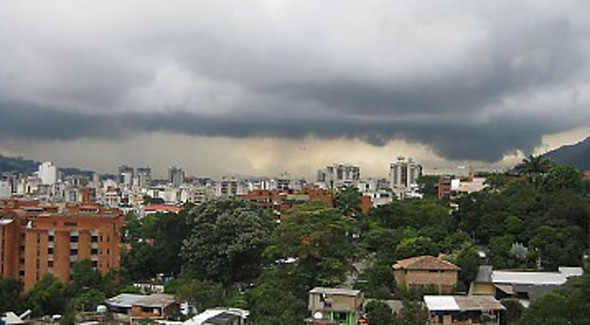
(338, 175)
(40, 239)
(404, 177)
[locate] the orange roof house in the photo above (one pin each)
(426, 272)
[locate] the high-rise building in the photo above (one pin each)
(404, 176)
(125, 175)
(144, 177)
(36, 240)
(5, 188)
(229, 187)
(47, 172)
(339, 175)
(176, 176)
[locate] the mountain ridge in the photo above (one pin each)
(577, 154)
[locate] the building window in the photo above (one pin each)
(51, 238)
(49, 263)
(71, 224)
(94, 264)
(50, 250)
(94, 251)
(94, 239)
(73, 252)
(73, 239)
(21, 272)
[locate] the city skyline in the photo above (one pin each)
(259, 89)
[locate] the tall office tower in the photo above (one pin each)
(47, 172)
(175, 176)
(339, 175)
(144, 177)
(404, 175)
(126, 175)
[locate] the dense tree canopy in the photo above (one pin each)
(154, 243)
(226, 240)
(47, 297)
(319, 238)
(10, 298)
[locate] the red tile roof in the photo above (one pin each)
(424, 263)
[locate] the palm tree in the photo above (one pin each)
(535, 166)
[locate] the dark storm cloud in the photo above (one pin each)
(485, 142)
(471, 81)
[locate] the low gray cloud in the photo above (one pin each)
(472, 82)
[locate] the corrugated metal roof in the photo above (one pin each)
(571, 271)
(462, 303)
(467, 303)
(155, 300)
(439, 303)
(535, 278)
(124, 300)
(217, 316)
(335, 291)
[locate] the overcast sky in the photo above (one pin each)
(261, 87)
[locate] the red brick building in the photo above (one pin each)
(281, 201)
(38, 239)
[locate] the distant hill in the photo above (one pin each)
(577, 155)
(20, 165)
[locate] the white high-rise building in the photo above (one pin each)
(5, 189)
(403, 176)
(339, 175)
(47, 172)
(126, 174)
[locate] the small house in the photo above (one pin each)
(426, 271)
(463, 310)
(335, 306)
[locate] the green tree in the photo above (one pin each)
(347, 200)
(88, 300)
(468, 260)
(416, 246)
(85, 276)
(226, 240)
(411, 314)
(562, 177)
(551, 308)
(533, 167)
(47, 297)
(378, 312)
(10, 295)
(428, 185)
(500, 251)
(377, 281)
(496, 181)
(318, 238)
(201, 294)
(278, 297)
(514, 310)
(155, 242)
(558, 246)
